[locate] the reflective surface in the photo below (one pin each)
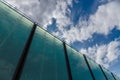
(78, 65)
(96, 70)
(14, 32)
(46, 56)
(116, 77)
(46, 59)
(108, 74)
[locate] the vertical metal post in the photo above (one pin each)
(113, 76)
(23, 57)
(103, 72)
(89, 67)
(67, 62)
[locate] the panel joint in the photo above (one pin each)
(89, 67)
(103, 72)
(20, 65)
(113, 76)
(67, 62)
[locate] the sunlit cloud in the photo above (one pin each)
(104, 54)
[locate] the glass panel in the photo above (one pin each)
(46, 59)
(108, 74)
(78, 65)
(116, 77)
(61, 68)
(96, 70)
(14, 32)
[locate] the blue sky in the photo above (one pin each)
(90, 26)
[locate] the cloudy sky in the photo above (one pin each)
(90, 26)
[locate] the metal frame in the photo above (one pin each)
(67, 62)
(89, 67)
(23, 57)
(103, 72)
(113, 76)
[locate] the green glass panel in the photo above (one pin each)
(116, 77)
(78, 65)
(98, 74)
(61, 68)
(108, 74)
(14, 32)
(45, 60)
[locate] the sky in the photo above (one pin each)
(92, 27)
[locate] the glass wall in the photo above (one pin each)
(116, 77)
(14, 32)
(46, 57)
(98, 74)
(108, 74)
(46, 60)
(78, 65)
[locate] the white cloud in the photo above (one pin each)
(104, 54)
(60, 14)
(102, 22)
(113, 50)
(38, 11)
(42, 11)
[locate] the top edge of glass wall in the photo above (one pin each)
(17, 10)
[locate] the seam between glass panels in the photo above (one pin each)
(23, 57)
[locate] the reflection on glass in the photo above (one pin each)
(108, 74)
(78, 65)
(116, 77)
(98, 74)
(14, 32)
(46, 59)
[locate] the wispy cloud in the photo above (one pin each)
(42, 11)
(104, 54)
(103, 21)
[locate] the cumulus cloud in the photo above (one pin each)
(35, 9)
(104, 54)
(103, 21)
(42, 11)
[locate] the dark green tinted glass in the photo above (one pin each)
(78, 65)
(98, 74)
(14, 32)
(46, 59)
(108, 74)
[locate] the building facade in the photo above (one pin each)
(28, 52)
